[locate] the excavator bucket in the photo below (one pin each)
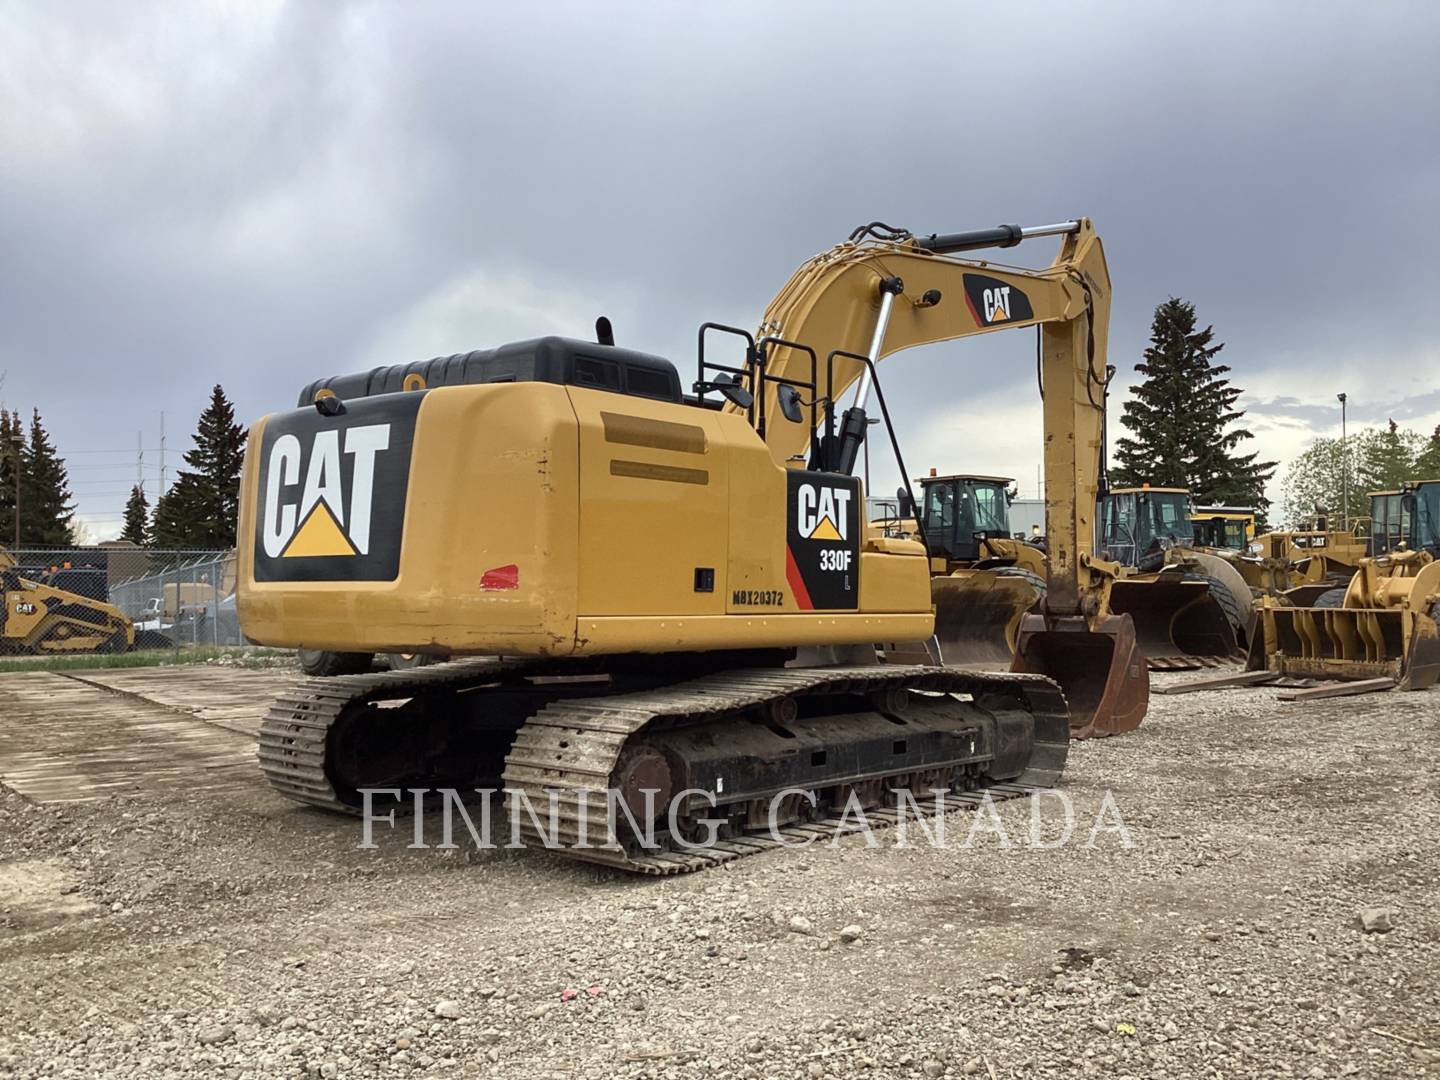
(977, 617)
(1351, 643)
(1175, 618)
(1098, 665)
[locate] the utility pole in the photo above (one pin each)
(160, 494)
(1344, 467)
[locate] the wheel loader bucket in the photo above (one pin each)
(1098, 665)
(1174, 618)
(977, 618)
(1352, 643)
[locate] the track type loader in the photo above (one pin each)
(39, 618)
(670, 600)
(1383, 623)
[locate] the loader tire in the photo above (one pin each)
(326, 664)
(1226, 599)
(1333, 599)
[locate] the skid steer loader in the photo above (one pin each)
(1189, 606)
(1383, 623)
(39, 618)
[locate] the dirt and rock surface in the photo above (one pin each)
(153, 933)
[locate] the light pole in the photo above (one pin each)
(1344, 468)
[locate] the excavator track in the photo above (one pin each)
(574, 746)
(295, 734)
(572, 743)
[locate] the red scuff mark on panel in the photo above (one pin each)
(500, 577)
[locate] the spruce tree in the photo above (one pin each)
(200, 509)
(1182, 419)
(1383, 460)
(45, 509)
(1427, 461)
(12, 432)
(137, 518)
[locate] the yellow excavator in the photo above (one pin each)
(1385, 622)
(39, 618)
(672, 594)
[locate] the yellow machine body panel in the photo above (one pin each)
(450, 520)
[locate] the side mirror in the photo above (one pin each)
(729, 386)
(789, 399)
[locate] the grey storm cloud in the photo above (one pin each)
(1392, 405)
(259, 194)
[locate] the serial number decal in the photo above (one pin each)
(757, 598)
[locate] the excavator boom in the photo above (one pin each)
(886, 290)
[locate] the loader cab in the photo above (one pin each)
(1408, 519)
(1390, 523)
(1230, 528)
(960, 512)
(1425, 516)
(1138, 525)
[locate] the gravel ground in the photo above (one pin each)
(240, 936)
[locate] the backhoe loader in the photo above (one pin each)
(39, 618)
(669, 594)
(1185, 603)
(1383, 623)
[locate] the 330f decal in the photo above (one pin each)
(822, 541)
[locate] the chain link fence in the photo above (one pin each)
(113, 599)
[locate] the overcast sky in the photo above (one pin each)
(258, 194)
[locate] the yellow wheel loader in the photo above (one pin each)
(39, 618)
(985, 580)
(1382, 624)
(1297, 566)
(1186, 603)
(669, 600)
(1223, 528)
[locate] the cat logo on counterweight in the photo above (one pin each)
(332, 491)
